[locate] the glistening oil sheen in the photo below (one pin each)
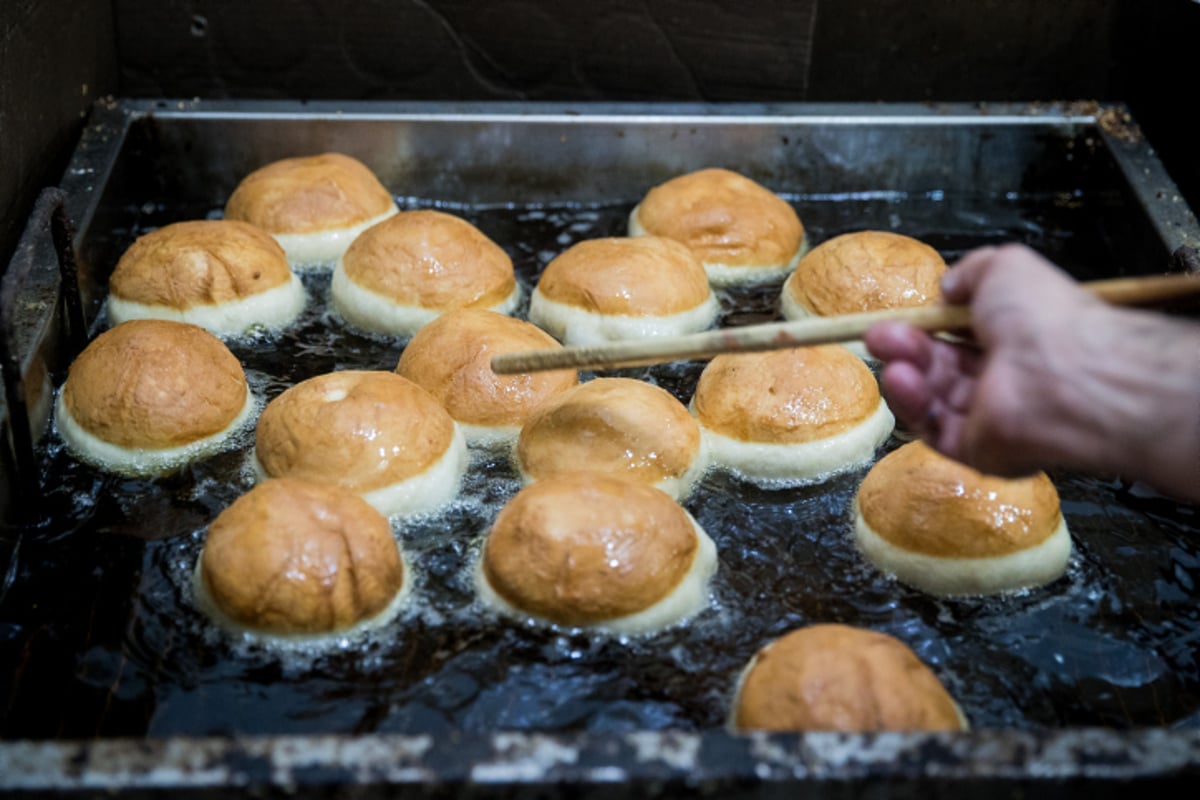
(100, 635)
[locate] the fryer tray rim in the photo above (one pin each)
(517, 759)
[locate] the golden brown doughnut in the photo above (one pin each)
(618, 426)
(863, 271)
(590, 549)
(313, 205)
(223, 275)
(405, 271)
(149, 395)
(374, 433)
(839, 678)
(451, 359)
(948, 529)
(787, 416)
(294, 557)
(623, 288)
(740, 230)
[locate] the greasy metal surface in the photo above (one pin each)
(125, 655)
(642, 764)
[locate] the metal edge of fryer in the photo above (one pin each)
(988, 762)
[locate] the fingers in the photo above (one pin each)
(929, 384)
(975, 405)
(896, 341)
(1018, 265)
(907, 392)
(922, 411)
(908, 354)
(960, 281)
(949, 437)
(952, 374)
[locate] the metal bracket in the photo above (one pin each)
(1185, 259)
(49, 218)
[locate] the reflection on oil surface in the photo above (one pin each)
(99, 634)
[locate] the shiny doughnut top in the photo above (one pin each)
(294, 557)
(154, 384)
(585, 548)
(619, 426)
(361, 429)
(451, 359)
(430, 260)
(723, 218)
(785, 396)
(864, 271)
(923, 502)
(839, 678)
(309, 194)
(203, 262)
(641, 276)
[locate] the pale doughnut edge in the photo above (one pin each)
(497, 437)
(950, 577)
(793, 310)
(271, 309)
(572, 325)
(319, 249)
(372, 311)
(782, 465)
(422, 493)
(687, 599)
(677, 487)
(739, 274)
(136, 462)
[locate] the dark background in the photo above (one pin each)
(58, 56)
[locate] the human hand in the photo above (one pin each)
(1001, 407)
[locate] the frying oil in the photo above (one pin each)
(127, 652)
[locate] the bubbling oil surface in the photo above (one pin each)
(100, 634)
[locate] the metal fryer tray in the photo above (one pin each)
(1077, 181)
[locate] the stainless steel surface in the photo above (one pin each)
(986, 764)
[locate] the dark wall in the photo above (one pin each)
(623, 49)
(713, 50)
(953, 50)
(1158, 74)
(468, 49)
(1146, 54)
(56, 58)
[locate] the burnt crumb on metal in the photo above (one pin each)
(1081, 108)
(524, 758)
(1185, 259)
(1066, 109)
(1118, 122)
(76, 762)
(498, 764)
(674, 749)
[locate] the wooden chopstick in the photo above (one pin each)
(811, 331)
